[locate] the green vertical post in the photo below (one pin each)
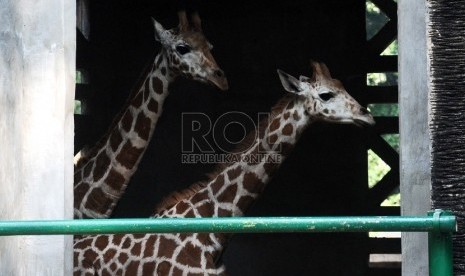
(440, 247)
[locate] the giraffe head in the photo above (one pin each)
(325, 99)
(189, 52)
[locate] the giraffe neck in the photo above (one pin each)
(229, 193)
(235, 187)
(101, 180)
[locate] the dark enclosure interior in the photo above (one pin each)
(327, 172)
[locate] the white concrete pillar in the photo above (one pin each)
(37, 71)
(415, 144)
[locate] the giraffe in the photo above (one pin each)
(232, 188)
(102, 176)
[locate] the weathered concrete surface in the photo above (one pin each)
(37, 63)
(415, 145)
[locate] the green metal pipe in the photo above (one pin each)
(440, 249)
(443, 223)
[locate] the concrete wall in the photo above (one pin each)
(37, 63)
(415, 145)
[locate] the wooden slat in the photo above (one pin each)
(384, 246)
(384, 272)
(380, 64)
(383, 38)
(389, 7)
(383, 188)
(384, 150)
(386, 125)
(384, 211)
(381, 94)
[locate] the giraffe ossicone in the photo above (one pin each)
(101, 176)
(231, 189)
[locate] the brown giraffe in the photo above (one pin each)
(229, 192)
(101, 177)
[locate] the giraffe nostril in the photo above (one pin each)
(219, 73)
(364, 111)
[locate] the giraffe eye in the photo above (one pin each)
(183, 49)
(326, 96)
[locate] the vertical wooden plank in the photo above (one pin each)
(415, 146)
(37, 61)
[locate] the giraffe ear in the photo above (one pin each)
(290, 83)
(158, 30)
(304, 79)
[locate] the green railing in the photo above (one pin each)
(439, 224)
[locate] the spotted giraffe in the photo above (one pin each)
(101, 177)
(232, 188)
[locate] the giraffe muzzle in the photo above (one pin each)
(218, 79)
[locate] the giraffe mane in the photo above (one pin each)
(177, 196)
(88, 152)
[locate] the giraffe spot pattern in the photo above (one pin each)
(77, 177)
(126, 122)
(157, 85)
(296, 116)
(109, 255)
(88, 169)
(234, 173)
(252, 183)
(228, 194)
(97, 198)
(272, 139)
(167, 247)
(132, 268)
(113, 267)
(129, 155)
(116, 239)
(269, 168)
(126, 243)
(143, 126)
(190, 214)
(115, 180)
(136, 249)
(153, 105)
(182, 207)
(224, 213)
(146, 90)
(101, 164)
(201, 196)
(101, 242)
(288, 129)
(115, 139)
(105, 272)
(123, 258)
(137, 101)
(150, 246)
(245, 202)
(90, 254)
(205, 210)
(148, 268)
(190, 255)
(274, 125)
(163, 268)
(218, 184)
(79, 192)
(177, 272)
